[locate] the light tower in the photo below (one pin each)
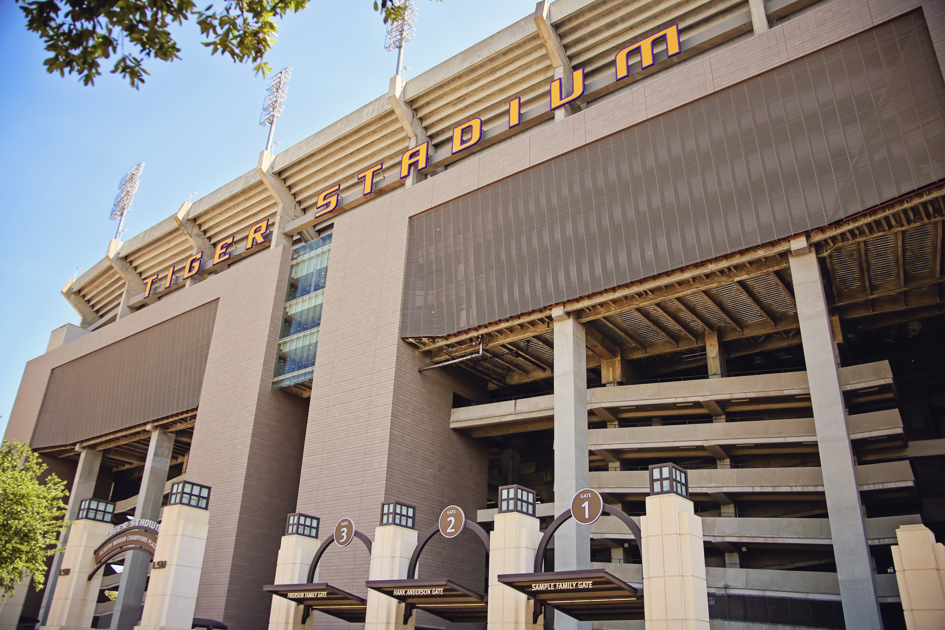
(272, 105)
(401, 31)
(127, 188)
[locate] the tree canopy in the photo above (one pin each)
(31, 511)
(81, 34)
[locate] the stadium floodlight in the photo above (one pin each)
(127, 188)
(272, 105)
(401, 31)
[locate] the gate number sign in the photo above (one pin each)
(344, 532)
(452, 520)
(587, 506)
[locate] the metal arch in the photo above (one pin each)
(324, 547)
(118, 553)
(564, 516)
(415, 558)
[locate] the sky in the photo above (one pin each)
(194, 123)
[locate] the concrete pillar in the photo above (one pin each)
(512, 548)
(134, 577)
(920, 572)
(674, 585)
(713, 355)
(12, 608)
(295, 557)
(759, 17)
(390, 555)
(572, 541)
(83, 485)
(172, 591)
(850, 545)
(73, 605)
(836, 333)
(732, 560)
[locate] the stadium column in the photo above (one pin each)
(847, 528)
(83, 485)
(572, 541)
(134, 576)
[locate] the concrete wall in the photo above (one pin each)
(377, 429)
(247, 440)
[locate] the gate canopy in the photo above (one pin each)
(443, 598)
(323, 597)
(586, 595)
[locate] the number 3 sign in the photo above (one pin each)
(586, 506)
(452, 520)
(344, 532)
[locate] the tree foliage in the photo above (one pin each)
(31, 511)
(80, 34)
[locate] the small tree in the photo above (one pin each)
(31, 512)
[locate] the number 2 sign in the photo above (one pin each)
(452, 520)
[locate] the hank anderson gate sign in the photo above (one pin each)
(139, 533)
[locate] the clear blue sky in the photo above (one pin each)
(195, 125)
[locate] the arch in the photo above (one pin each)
(118, 552)
(324, 547)
(564, 516)
(433, 531)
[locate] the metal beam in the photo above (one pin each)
(599, 345)
(656, 326)
(721, 310)
(675, 323)
(754, 302)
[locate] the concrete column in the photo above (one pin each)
(390, 556)
(512, 548)
(134, 577)
(759, 17)
(12, 608)
(572, 541)
(73, 605)
(83, 485)
(920, 572)
(172, 591)
(713, 355)
(674, 585)
(850, 545)
(295, 557)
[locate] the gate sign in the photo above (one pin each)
(344, 532)
(139, 533)
(587, 506)
(452, 520)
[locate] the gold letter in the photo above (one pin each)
(368, 177)
(257, 234)
(515, 112)
(221, 254)
(475, 128)
(419, 156)
(329, 198)
(193, 266)
(646, 50)
(578, 80)
(147, 284)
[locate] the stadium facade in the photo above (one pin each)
(611, 235)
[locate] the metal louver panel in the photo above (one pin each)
(802, 146)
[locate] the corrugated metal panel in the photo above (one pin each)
(808, 144)
(153, 374)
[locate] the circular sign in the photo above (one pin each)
(587, 506)
(344, 532)
(452, 520)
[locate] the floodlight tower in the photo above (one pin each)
(127, 188)
(272, 105)
(401, 31)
